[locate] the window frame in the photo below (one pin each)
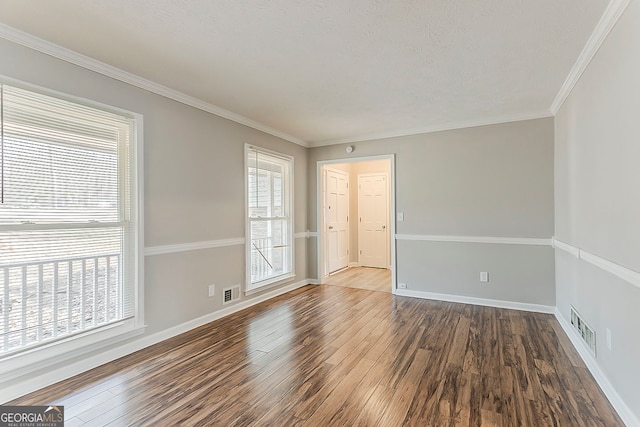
(251, 287)
(49, 353)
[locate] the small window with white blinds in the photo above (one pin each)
(68, 219)
(269, 219)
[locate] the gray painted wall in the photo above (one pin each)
(485, 181)
(517, 273)
(598, 201)
(194, 185)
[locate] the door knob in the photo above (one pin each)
(330, 227)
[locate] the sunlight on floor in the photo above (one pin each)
(372, 279)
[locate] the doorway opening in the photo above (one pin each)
(356, 222)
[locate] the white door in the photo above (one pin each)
(373, 213)
(337, 219)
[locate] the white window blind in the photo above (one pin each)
(270, 228)
(67, 229)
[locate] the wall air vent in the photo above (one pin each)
(230, 294)
(585, 331)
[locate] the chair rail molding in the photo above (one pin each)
(476, 239)
(618, 270)
(192, 246)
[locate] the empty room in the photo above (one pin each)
(278, 213)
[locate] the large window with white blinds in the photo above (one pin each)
(269, 219)
(69, 232)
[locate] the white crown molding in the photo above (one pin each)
(16, 36)
(522, 306)
(476, 239)
(438, 128)
(627, 415)
(618, 270)
(21, 388)
(193, 246)
(609, 18)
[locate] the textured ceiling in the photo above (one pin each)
(329, 71)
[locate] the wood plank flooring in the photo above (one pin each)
(335, 356)
(372, 279)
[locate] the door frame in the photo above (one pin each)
(320, 247)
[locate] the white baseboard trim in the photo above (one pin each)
(523, 306)
(627, 415)
(476, 239)
(354, 264)
(14, 391)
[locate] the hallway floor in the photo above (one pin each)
(371, 279)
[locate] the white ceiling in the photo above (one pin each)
(334, 70)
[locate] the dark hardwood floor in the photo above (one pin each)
(328, 355)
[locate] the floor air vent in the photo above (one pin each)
(585, 331)
(230, 294)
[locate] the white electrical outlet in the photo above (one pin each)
(400, 216)
(484, 276)
(609, 339)
(212, 290)
(402, 286)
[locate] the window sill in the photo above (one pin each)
(267, 284)
(26, 362)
